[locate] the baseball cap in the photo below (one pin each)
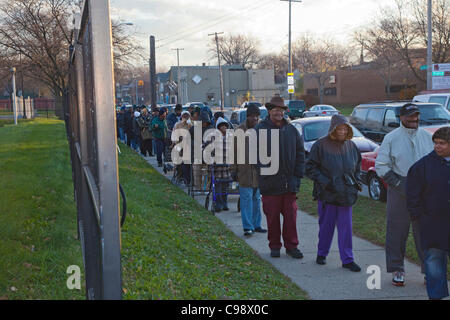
(409, 109)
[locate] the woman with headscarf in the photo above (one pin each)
(334, 166)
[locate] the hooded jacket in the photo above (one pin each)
(291, 154)
(334, 166)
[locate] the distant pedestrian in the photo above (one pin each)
(279, 191)
(146, 133)
(174, 117)
(121, 123)
(185, 123)
(334, 166)
(247, 176)
(428, 201)
(159, 128)
(400, 149)
(136, 140)
(128, 125)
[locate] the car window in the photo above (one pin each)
(316, 130)
(360, 114)
(390, 117)
(434, 114)
(327, 108)
(314, 109)
(234, 116)
(438, 99)
(296, 104)
(242, 116)
(375, 115)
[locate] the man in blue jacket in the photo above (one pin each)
(428, 201)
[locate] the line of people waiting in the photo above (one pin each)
(414, 163)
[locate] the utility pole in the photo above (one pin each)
(152, 72)
(178, 75)
(24, 115)
(13, 70)
(429, 47)
(220, 68)
(290, 23)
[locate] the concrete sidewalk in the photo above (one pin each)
(330, 281)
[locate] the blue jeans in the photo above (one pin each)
(436, 273)
(121, 134)
(159, 149)
(250, 201)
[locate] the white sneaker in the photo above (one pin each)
(398, 279)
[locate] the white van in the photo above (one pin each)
(441, 98)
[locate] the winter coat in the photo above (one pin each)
(334, 166)
(136, 128)
(428, 200)
(247, 174)
(161, 131)
(172, 119)
(144, 125)
(291, 159)
(222, 170)
(401, 148)
(204, 117)
(128, 121)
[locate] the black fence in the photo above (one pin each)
(91, 131)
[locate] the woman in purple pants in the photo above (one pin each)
(334, 166)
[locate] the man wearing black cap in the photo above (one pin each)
(279, 190)
(247, 177)
(400, 149)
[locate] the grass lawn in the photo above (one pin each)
(369, 218)
(171, 247)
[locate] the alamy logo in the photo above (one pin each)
(209, 147)
(74, 280)
(374, 281)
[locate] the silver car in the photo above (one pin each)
(321, 110)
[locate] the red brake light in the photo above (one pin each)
(324, 112)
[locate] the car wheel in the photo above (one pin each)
(377, 191)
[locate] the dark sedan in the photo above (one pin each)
(311, 129)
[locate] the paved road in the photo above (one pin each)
(331, 281)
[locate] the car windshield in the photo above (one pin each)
(259, 105)
(263, 114)
(431, 114)
(319, 129)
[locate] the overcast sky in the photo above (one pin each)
(187, 23)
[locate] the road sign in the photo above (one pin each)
(291, 88)
(290, 79)
(441, 76)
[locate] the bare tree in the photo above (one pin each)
(39, 31)
(237, 50)
(319, 58)
(277, 62)
(379, 49)
(440, 26)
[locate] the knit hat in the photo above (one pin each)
(252, 109)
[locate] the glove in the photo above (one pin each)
(392, 179)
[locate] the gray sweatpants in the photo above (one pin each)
(397, 229)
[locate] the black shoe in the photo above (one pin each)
(321, 260)
(248, 232)
(352, 266)
(294, 253)
(275, 253)
(260, 230)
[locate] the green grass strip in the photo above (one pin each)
(171, 247)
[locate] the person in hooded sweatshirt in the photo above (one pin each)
(334, 166)
(222, 170)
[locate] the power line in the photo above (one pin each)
(209, 25)
(205, 25)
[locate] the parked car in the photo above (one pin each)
(240, 115)
(375, 120)
(193, 104)
(320, 110)
(169, 106)
(311, 129)
(246, 103)
(296, 108)
(377, 186)
(441, 98)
